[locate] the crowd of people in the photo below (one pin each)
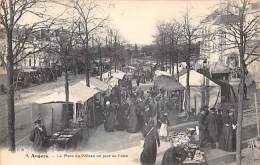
(133, 109)
(218, 128)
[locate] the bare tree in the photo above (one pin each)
(88, 23)
(174, 31)
(241, 31)
(191, 35)
(18, 47)
(161, 40)
(113, 38)
(62, 44)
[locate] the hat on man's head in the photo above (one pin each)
(213, 109)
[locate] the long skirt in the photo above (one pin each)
(132, 124)
(225, 141)
(110, 122)
(163, 130)
(148, 155)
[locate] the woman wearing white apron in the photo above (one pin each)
(163, 133)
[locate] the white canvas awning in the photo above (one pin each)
(112, 82)
(160, 72)
(77, 93)
(118, 74)
(97, 84)
(196, 79)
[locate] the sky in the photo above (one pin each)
(136, 19)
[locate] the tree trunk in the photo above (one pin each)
(75, 70)
(115, 63)
(177, 68)
(240, 110)
(87, 67)
(188, 88)
(241, 87)
(10, 92)
(101, 66)
(66, 83)
(239, 119)
(170, 57)
(188, 76)
(66, 90)
(173, 68)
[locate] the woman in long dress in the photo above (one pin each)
(151, 141)
(110, 118)
(121, 116)
(225, 141)
(132, 121)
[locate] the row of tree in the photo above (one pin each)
(81, 31)
(177, 42)
(240, 26)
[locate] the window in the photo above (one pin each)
(30, 62)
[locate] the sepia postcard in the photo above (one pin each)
(149, 82)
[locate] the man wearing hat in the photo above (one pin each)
(212, 123)
(202, 128)
(39, 136)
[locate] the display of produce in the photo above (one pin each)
(194, 154)
(179, 139)
(66, 138)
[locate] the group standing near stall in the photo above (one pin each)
(217, 129)
(132, 109)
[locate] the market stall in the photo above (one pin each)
(118, 75)
(186, 139)
(174, 90)
(61, 121)
(203, 91)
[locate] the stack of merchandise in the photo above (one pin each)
(195, 155)
(179, 139)
(66, 138)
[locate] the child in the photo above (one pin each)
(164, 127)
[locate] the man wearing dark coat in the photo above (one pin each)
(220, 122)
(109, 117)
(225, 141)
(152, 108)
(39, 136)
(151, 141)
(174, 156)
(212, 123)
(140, 113)
(202, 128)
